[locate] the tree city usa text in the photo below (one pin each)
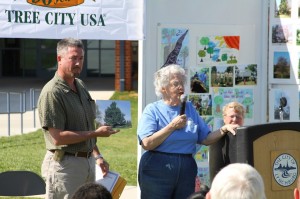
(53, 18)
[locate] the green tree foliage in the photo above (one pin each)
(201, 54)
(114, 116)
(210, 51)
(284, 8)
(204, 41)
(224, 57)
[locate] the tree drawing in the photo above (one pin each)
(218, 101)
(232, 60)
(204, 42)
(184, 53)
(172, 57)
(114, 116)
(201, 53)
(211, 48)
(224, 57)
(247, 102)
(168, 34)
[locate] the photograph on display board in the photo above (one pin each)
(298, 64)
(199, 80)
(282, 8)
(281, 65)
(297, 37)
(299, 103)
(174, 46)
(202, 103)
(245, 75)
(281, 99)
(222, 96)
(221, 76)
(298, 8)
(282, 34)
(218, 49)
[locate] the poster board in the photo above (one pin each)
(219, 68)
(283, 63)
(245, 19)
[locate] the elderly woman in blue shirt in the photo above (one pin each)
(167, 169)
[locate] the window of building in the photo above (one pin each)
(37, 58)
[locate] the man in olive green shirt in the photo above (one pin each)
(67, 115)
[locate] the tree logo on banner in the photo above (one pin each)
(56, 3)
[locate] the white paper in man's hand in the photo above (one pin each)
(109, 181)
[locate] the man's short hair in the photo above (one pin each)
(62, 45)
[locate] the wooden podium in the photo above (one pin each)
(273, 149)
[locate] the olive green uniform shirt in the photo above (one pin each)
(61, 108)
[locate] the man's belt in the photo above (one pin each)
(77, 154)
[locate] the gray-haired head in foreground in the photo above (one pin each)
(238, 181)
(163, 76)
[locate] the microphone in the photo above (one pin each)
(183, 99)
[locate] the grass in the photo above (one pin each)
(26, 152)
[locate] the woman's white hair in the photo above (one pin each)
(163, 76)
(238, 181)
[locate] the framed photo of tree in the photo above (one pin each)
(115, 113)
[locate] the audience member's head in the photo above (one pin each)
(237, 181)
(204, 189)
(297, 189)
(92, 190)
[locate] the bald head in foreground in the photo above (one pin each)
(237, 181)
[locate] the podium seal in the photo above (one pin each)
(285, 169)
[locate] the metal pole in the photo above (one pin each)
(122, 65)
(8, 112)
(21, 111)
(32, 104)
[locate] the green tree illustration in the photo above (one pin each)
(224, 57)
(204, 42)
(184, 53)
(218, 101)
(210, 51)
(201, 54)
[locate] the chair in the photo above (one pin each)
(21, 183)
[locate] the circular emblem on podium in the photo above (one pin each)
(285, 170)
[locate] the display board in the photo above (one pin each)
(283, 63)
(222, 45)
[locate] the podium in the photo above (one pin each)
(273, 149)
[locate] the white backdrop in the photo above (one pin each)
(83, 19)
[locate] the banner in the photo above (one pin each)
(82, 19)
